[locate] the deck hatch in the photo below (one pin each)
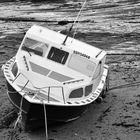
(59, 77)
(38, 69)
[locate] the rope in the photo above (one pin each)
(107, 82)
(46, 129)
(123, 53)
(77, 19)
(19, 119)
(80, 11)
(45, 116)
(126, 85)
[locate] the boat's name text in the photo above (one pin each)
(81, 54)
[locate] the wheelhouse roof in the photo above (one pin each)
(44, 34)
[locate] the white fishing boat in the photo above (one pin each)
(54, 76)
(57, 72)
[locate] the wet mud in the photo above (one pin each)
(113, 25)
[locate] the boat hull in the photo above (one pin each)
(34, 113)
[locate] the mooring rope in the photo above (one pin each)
(20, 108)
(45, 117)
(77, 19)
(80, 11)
(46, 124)
(108, 81)
(19, 119)
(137, 83)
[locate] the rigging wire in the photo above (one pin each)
(74, 23)
(77, 19)
(80, 12)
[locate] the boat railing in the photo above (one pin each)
(40, 89)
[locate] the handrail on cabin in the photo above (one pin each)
(40, 89)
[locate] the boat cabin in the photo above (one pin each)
(73, 68)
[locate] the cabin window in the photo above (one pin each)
(58, 55)
(77, 93)
(82, 65)
(34, 46)
(88, 89)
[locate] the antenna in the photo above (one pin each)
(74, 22)
(67, 34)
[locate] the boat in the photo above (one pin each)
(54, 72)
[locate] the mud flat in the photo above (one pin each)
(116, 118)
(110, 25)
